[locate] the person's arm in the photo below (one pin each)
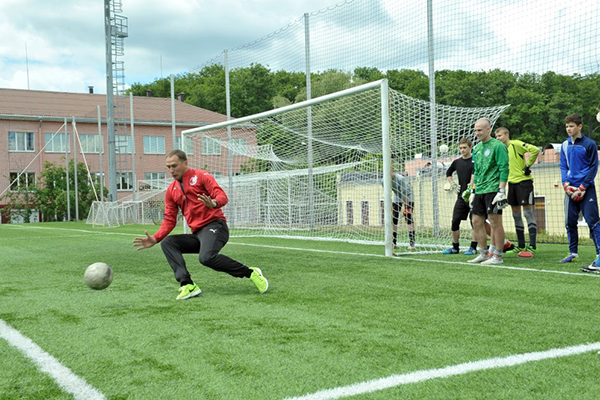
(216, 197)
(533, 151)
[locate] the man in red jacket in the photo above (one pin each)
(200, 199)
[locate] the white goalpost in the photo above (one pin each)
(328, 178)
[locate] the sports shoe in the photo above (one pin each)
(259, 280)
(450, 251)
(508, 246)
(531, 249)
(493, 261)
(471, 252)
(187, 291)
(481, 257)
(410, 247)
(517, 250)
(525, 254)
(570, 258)
(593, 267)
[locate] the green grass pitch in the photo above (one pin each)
(335, 315)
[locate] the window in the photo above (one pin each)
(20, 141)
(238, 147)
(91, 143)
(349, 213)
(154, 145)
(123, 144)
(23, 182)
(364, 205)
(189, 144)
(211, 147)
(155, 180)
(124, 181)
(56, 143)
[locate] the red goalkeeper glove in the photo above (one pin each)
(569, 190)
(579, 193)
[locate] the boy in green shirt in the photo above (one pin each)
(520, 189)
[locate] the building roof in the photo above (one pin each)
(35, 104)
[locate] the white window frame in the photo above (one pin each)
(23, 142)
(238, 147)
(189, 144)
(211, 146)
(55, 142)
(125, 181)
(24, 179)
(154, 144)
(91, 143)
(123, 141)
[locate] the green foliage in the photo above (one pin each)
(51, 191)
(539, 102)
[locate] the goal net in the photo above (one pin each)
(320, 169)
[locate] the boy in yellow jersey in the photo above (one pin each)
(520, 189)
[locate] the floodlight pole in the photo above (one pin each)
(101, 155)
(110, 107)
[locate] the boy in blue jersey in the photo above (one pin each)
(578, 168)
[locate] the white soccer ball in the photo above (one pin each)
(598, 117)
(98, 275)
(444, 149)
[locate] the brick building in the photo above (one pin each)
(32, 132)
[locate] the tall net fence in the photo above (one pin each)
(497, 49)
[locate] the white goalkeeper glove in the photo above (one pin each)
(452, 187)
(500, 199)
(578, 194)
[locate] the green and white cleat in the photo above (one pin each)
(187, 291)
(259, 280)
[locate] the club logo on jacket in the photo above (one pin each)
(487, 152)
(193, 180)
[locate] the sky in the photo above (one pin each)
(60, 46)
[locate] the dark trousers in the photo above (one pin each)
(207, 242)
(589, 208)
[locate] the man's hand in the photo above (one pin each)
(452, 187)
(579, 193)
(466, 195)
(500, 199)
(526, 170)
(569, 190)
(144, 242)
(207, 200)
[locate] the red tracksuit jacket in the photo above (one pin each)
(197, 215)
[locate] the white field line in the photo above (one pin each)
(430, 262)
(459, 369)
(63, 376)
(347, 253)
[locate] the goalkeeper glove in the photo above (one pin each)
(466, 195)
(526, 170)
(579, 193)
(500, 199)
(452, 187)
(569, 190)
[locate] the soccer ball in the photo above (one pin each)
(98, 276)
(444, 149)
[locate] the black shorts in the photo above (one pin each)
(407, 212)
(482, 204)
(520, 194)
(461, 210)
